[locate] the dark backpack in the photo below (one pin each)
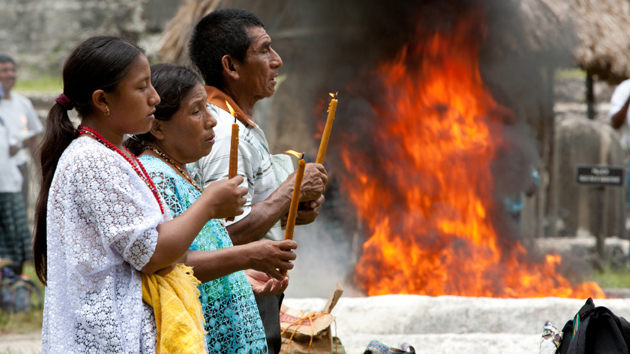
(16, 292)
(595, 330)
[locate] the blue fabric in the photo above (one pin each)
(232, 319)
(627, 186)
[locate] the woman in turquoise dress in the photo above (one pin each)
(182, 133)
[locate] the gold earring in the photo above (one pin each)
(107, 113)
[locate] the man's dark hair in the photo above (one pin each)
(222, 32)
(7, 59)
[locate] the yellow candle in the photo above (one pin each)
(295, 200)
(232, 170)
(323, 145)
(234, 145)
(234, 152)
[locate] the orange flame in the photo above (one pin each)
(299, 155)
(428, 205)
(232, 112)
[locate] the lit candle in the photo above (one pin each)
(233, 150)
(323, 145)
(295, 199)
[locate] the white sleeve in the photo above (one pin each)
(120, 207)
(619, 98)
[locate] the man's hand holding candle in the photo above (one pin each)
(311, 194)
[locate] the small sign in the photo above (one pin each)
(600, 175)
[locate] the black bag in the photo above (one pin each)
(595, 330)
(17, 293)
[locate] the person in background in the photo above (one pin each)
(620, 120)
(21, 119)
(15, 238)
(233, 53)
(513, 205)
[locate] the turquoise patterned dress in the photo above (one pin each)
(232, 319)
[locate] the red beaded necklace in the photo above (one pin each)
(144, 175)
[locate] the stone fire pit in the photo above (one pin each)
(451, 324)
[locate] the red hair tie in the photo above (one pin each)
(65, 102)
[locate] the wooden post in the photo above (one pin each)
(590, 95)
(550, 200)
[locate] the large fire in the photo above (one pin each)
(428, 203)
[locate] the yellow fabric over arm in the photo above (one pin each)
(178, 316)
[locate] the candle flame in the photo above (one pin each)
(333, 95)
(231, 109)
(299, 155)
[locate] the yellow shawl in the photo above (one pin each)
(178, 315)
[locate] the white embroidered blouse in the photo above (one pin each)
(101, 231)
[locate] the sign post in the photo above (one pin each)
(601, 176)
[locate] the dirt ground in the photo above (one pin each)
(29, 343)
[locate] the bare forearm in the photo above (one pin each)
(261, 218)
(211, 265)
(175, 236)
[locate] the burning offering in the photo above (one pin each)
(323, 145)
(425, 193)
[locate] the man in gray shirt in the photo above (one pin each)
(233, 52)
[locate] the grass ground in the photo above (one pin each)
(570, 73)
(612, 278)
(39, 84)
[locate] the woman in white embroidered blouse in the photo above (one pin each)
(99, 219)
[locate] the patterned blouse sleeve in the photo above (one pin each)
(119, 206)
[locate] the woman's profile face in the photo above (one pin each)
(134, 104)
(188, 134)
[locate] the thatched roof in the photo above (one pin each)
(594, 32)
(603, 28)
(174, 42)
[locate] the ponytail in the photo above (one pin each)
(58, 135)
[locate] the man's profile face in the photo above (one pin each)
(7, 75)
(260, 68)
